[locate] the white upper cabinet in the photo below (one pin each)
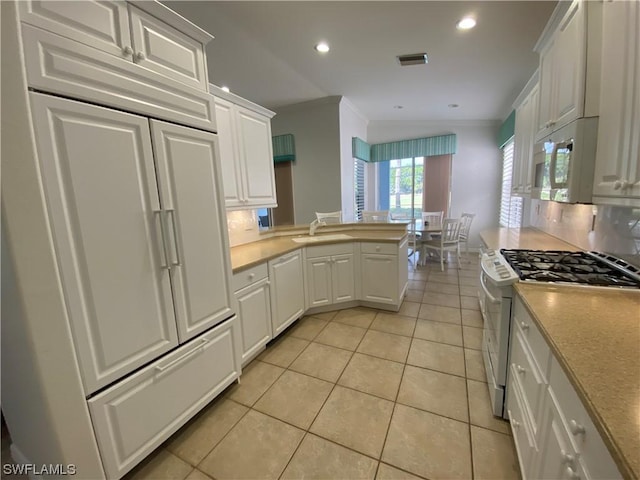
(194, 222)
(126, 31)
(116, 54)
(568, 76)
(246, 152)
(617, 170)
(525, 126)
(99, 175)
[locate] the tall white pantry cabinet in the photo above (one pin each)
(117, 321)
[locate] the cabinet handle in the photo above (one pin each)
(576, 428)
(524, 325)
(171, 212)
(140, 56)
(571, 473)
(520, 369)
(165, 263)
(620, 185)
(127, 50)
(183, 357)
(377, 249)
(515, 423)
(252, 276)
(567, 459)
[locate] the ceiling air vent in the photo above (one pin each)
(413, 59)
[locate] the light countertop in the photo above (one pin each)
(594, 333)
(528, 238)
(250, 254)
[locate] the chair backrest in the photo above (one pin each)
(434, 218)
(450, 231)
(465, 225)
(329, 217)
(375, 216)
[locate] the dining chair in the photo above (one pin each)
(434, 218)
(465, 226)
(375, 216)
(449, 241)
(329, 217)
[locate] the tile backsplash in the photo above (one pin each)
(603, 228)
(242, 226)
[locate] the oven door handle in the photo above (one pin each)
(491, 298)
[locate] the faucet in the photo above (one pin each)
(314, 226)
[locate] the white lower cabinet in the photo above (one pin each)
(254, 309)
(136, 415)
(383, 272)
(330, 275)
(287, 290)
(552, 431)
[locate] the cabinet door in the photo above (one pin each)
(254, 309)
(256, 153)
(342, 276)
(527, 160)
(195, 225)
(165, 50)
(319, 282)
(102, 25)
(568, 67)
(618, 155)
(229, 155)
(100, 183)
(376, 272)
(557, 458)
(287, 290)
(546, 95)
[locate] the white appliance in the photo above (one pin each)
(495, 295)
(563, 164)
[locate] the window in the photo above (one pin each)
(358, 188)
(510, 207)
(405, 187)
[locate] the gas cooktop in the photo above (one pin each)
(589, 268)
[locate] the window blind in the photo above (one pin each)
(510, 207)
(358, 188)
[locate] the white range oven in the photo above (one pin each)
(495, 294)
(499, 270)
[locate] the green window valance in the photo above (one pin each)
(284, 148)
(417, 147)
(507, 130)
(361, 149)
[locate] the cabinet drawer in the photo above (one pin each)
(596, 459)
(525, 373)
(533, 339)
(522, 435)
(379, 247)
(250, 275)
(136, 415)
(329, 250)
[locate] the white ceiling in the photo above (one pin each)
(263, 51)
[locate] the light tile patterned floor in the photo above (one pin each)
(357, 394)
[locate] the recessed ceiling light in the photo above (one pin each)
(398, 107)
(453, 105)
(322, 47)
(224, 88)
(466, 23)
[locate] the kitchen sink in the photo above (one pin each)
(321, 238)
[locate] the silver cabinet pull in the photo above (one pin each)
(171, 212)
(165, 257)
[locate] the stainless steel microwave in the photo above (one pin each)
(563, 163)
